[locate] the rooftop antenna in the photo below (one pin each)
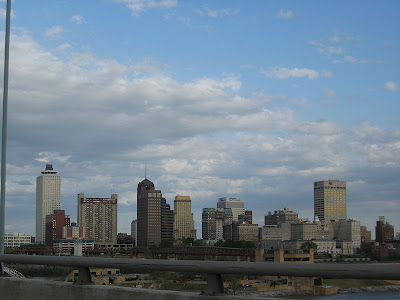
(145, 171)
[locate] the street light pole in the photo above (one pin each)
(4, 133)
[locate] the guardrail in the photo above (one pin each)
(213, 269)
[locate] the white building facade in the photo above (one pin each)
(48, 199)
(16, 239)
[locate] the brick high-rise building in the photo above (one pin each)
(54, 226)
(149, 207)
(99, 218)
(183, 218)
(48, 199)
(383, 231)
(330, 202)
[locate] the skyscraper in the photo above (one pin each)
(213, 222)
(98, 216)
(167, 221)
(148, 214)
(183, 218)
(48, 199)
(234, 203)
(330, 201)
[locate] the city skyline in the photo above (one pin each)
(329, 205)
(217, 99)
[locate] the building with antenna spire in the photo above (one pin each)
(154, 216)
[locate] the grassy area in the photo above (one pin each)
(356, 283)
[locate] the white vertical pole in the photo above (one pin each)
(4, 132)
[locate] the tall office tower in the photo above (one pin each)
(149, 203)
(167, 221)
(134, 231)
(183, 218)
(235, 204)
(330, 200)
(383, 231)
(99, 218)
(54, 226)
(281, 216)
(48, 199)
(213, 222)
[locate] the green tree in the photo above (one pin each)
(166, 244)
(199, 243)
(233, 281)
(309, 245)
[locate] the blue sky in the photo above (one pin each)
(255, 99)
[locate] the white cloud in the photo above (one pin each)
(77, 19)
(99, 121)
(138, 6)
(48, 157)
(282, 14)
(55, 32)
(354, 60)
(285, 73)
(337, 47)
(3, 13)
(150, 65)
(187, 22)
(330, 93)
(391, 86)
(215, 13)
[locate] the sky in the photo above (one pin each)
(253, 99)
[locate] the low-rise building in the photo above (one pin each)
(16, 239)
(332, 247)
(305, 231)
(281, 216)
(245, 232)
(66, 246)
